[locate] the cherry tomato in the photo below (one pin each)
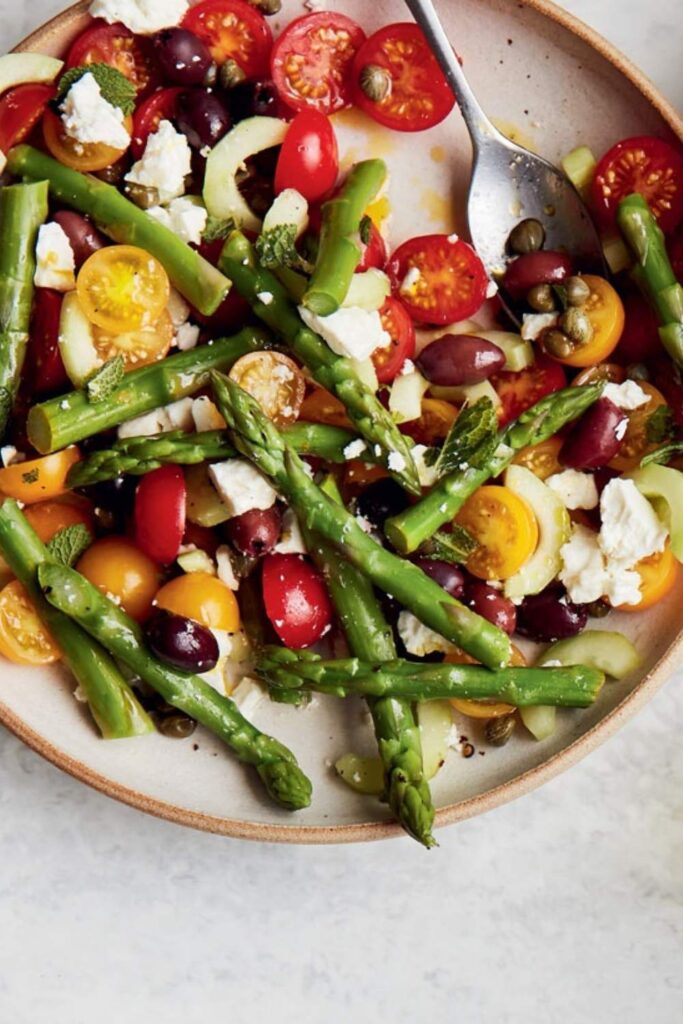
(450, 284)
(138, 348)
(542, 459)
(123, 572)
(420, 96)
(635, 444)
(658, 576)
(49, 517)
(160, 106)
(43, 361)
(295, 599)
(201, 597)
(396, 322)
(312, 60)
(436, 419)
(122, 288)
(233, 310)
(160, 501)
(505, 529)
(81, 156)
(605, 311)
(519, 391)
(20, 110)
(309, 159)
(322, 407)
(358, 475)
(23, 637)
(374, 250)
(643, 164)
(117, 46)
(483, 708)
(39, 479)
(232, 29)
(202, 537)
(639, 340)
(275, 381)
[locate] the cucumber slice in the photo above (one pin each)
(204, 506)
(222, 197)
(435, 720)
(579, 166)
(664, 487)
(616, 254)
(518, 353)
(363, 774)
(604, 650)
(469, 393)
(21, 68)
(405, 397)
(289, 207)
(368, 290)
(76, 345)
(554, 528)
(196, 561)
(540, 720)
(365, 369)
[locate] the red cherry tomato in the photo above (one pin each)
(295, 599)
(646, 165)
(374, 251)
(309, 159)
(44, 361)
(232, 29)
(233, 310)
(675, 249)
(451, 282)
(20, 109)
(519, 391)
(160, 106)
(396, 322)
(639, 339)
(160, 513)
(312, 60)
(116, 45)
(420, 96)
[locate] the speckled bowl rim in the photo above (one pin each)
(522, 784)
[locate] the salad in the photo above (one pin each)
(255, 447)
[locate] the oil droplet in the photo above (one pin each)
(515, 134)
(379, 142)
(438, 209)
(438, 154)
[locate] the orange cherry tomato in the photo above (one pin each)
(122, 288)
(80, 156)
(542, 458)
(635, 444)
(49, 517)
(322, 407)
(275, 381)
(124, 573)
(358, 475)
(436, 419)
(605, 310)
(658, 575)
(39, 479)
(202, 597)
(138, 348)
(23, 637)
(483, 708)
(505, 529)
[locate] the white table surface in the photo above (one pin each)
(562, 908)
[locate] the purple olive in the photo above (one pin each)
(545, 267)
(181, 642)
(492, 605)
(448, 576)
(255, 532)
(254, 99)
(202, 117)
(84, 237)
(380, 500)
(457, 359)
(182, 56)
(596, 438)
(550, 616)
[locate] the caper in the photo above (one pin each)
(267, 7)
(231, 74)
(499, 730)
(541, 298)
(142, 195)
(576, 325)
(578, 292)
(637, 371)
(527, 236)
(176, 726)
(598, 609)
(375, 82)
(211, 76)
(556, 343)
(113, 175)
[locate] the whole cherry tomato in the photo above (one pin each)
(44, 361)
(160, 513)
(308, 160)
(295, 599)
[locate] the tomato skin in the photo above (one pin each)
(114, 44)
(39, 479)
(320, 406)
(639, 340)
(643, 164)
(374, 251)
(20, 110)
(658, 575)
(44, 361)
(232, 28)
(49, 517)
(122, 288)
(160, 106)
(117, 567)
(23, 638)
(452, 281)
(396, 321)
(275, 381)
(436, 419)
(519, 391)
(202, 597)
(160, 502)
(309, 158)
(295, 599)
(605, 311)
(87, 156)
(504, 526)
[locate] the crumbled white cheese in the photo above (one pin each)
(248, 695)
(142, 16)
(408, 367)
(179, 414)
(533, 324)
(453, 238)
(265, 297)
(187, 336)
(410, 281)
(10, 456)
(354, 449)
(291, 540)
(224, 568)
(491, 289)
(428, 475)
(241, 486)
(164, 164)
(574, 489)
(176, 416)
(630, 527)
(55, 263)
(177, 308)
(419, 639)
(235, 661)
(396, 462)
(583, 566)
(351, 332)
(89, 118)
(206, 415)
(628, 395)
(184, 217)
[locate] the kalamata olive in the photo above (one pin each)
(255, 532)
(84, 237)
(182, 642)
(457, 359)
(527, 236)
(448, 576)
(596, 438)
(380, 500)
(492, 605)
(544, 267)
(550, 616)
(182, 56)
(113, 501)
(202, 117)
(251, 99)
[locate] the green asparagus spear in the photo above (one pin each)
(70, 418)
(575, 687)
(409, 529)
(340, 252)
(112, 702)
(258, 439)
(333, 372)
(193, 276)
(76, 597)
(23, 208)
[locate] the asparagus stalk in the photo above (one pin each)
(258, 439)
(200, 282)
(333, 372)
(69, 418)
(23, 208)
(340, 252)
(112, 702)
(574, 687)
(408, 530)
(76, 597)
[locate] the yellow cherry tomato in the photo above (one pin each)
(542, 458)
(436, 419)
(483, 708)
(39, 479)
(122, 288)
(605, 311)
(359, 475)
(658, 576)
(124, 573)
(505, 529)
(322, 407)
(635, 444)
(275, 381)
(138, 348)
(49, 517)
(81, 156)
(201, 597)
(23, 637)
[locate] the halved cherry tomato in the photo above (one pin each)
(160, 106)
(519, 391)
(232, 29)
(605, 311)
(643, 164)
(295, 599)
(202, 537)
(436, 419)
(483, 709)
(312, 60)
(322, 407)
(450, 280)
(397, 323)
(639, 340)
(117, 46)
(123, 572)
(138, 348)
(81, 156)
(23, 637)
(658, 576)
(358, 475)
(374, 250)
(505, 529)
(202, 597)
(20, 110)
(160, 501)
(39, 479)
(542, 458)
(420, 96)
(635, 444)
(309, 159)
(49, 517)
(122, 288)
(233, 310)
(43, 361)
(275, 381)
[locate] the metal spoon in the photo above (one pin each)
(509, 183)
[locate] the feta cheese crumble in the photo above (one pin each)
(187, 336)
(241, 487)
(206, 415)
(183, 217)
(628, 395)
(354, 449)
(175, 416)
(224, 568)
(291, 540)
(533, 324)
(396, 462)
(55, 263)
(164, 164)
(142, 16)
(265, 297)
(419, 639)
(574, 489)
(89, 118)
(630, 527)
(351, 332)
(428, 475)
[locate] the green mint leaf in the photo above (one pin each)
(365, 229)
(114, 86)
(104, 381)
(68, 544)
(663, 454)
(217, 229)
(454, 547)
(276, 248)
(660, 426)
(471, 440)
